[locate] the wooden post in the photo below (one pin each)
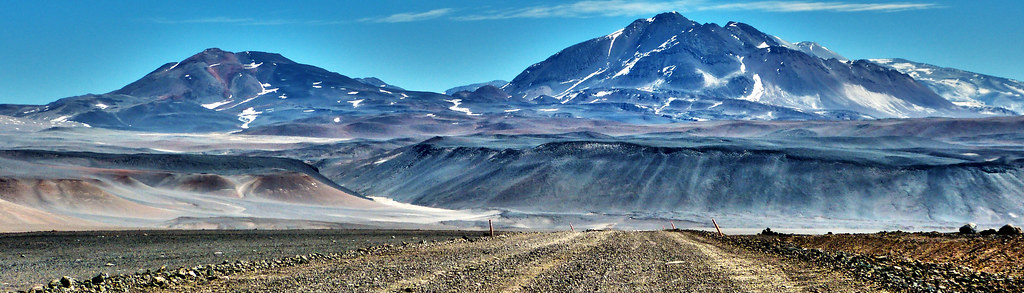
(673, 225)
(491, 226)
(571, 229)
(716, 227)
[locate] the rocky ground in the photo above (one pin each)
(37, 258)
(606, 261)
(655, 261)
(911, 262)
(992, 254)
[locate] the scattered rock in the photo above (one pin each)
(1009, 230)
(109, 264)
(969, 228)
(898, 274)
(99, 279)
(67, 282)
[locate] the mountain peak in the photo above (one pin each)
(670, 15)
(667, 18)
(731, 69)
(211, 56)
(818, 50)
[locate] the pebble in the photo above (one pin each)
(163, 276)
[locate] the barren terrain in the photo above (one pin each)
(616, 261)
(38, 257)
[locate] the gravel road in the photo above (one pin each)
(606, 261)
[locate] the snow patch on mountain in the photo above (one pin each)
(252, 65)
(963, 88)
(881, 102)
(248, 116)
(559, 96)
(455, 107)
(355, 103)
(757, 91)
(611, 43)
(214, 105)
(60, 119)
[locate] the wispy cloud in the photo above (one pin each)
(579, 9)
(798, 6)
(410, 16)
(593, 8)
(582, 9)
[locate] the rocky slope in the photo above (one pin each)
(783, 175)
(79, 190)
(964, 88)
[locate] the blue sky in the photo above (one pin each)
(55, 49)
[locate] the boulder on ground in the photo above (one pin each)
(67, 282)
(970, 228)
(987, 232)
(1009, 230)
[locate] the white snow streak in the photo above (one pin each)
(355, 103)
(559, 96)
(757, 91)
(214, 105)
(657, 111)
(455, 107)
(248, 116)
(613, 36)
(252, 65)
(710, 81)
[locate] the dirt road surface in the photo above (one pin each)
(606, 261)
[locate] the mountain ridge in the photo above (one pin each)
(662, 69)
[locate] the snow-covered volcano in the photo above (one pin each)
(676, 67)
